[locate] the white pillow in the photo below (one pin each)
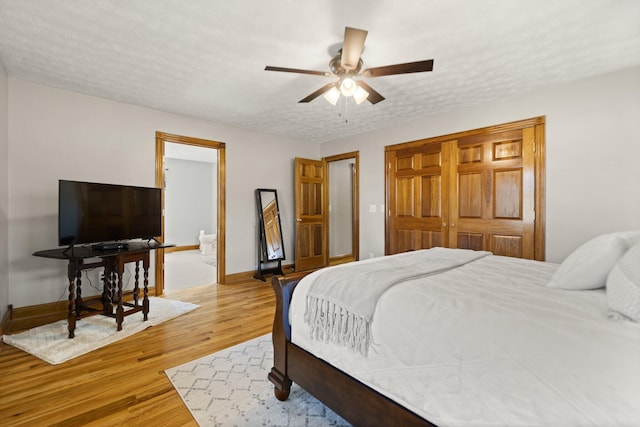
(588, 266)
(623, 285)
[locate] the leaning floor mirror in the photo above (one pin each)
(270, 246)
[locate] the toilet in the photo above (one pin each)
(207, 243)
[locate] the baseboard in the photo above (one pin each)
(249, 275)
(238, 277)
(23, 318)
(5, 324)
(181, 248)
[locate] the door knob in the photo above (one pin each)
(298, 219)
(444, 224)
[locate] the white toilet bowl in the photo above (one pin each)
(207, 243)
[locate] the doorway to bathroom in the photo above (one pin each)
(190, 172)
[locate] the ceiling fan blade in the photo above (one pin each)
(352, 47)
(409, 67)
(374, 97)
(318, 92)
(297, 70)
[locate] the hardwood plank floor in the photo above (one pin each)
(124, 383)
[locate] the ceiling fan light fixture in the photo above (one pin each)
(360, 95)
(332, 95)
(346, 65)
(348, 86)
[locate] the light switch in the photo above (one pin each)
(372, 208)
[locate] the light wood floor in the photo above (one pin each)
(124, 383)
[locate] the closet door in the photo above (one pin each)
(493, 194)
(481, 189)
(417, 205)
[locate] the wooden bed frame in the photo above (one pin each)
(354, 401)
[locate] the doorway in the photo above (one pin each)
(213, 221)
(342, 176)
(314, 202)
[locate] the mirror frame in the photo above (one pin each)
(265, 249)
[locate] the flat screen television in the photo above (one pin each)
(90, 212)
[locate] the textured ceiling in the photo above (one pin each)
(206, 58)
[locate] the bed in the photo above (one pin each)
(470, 339)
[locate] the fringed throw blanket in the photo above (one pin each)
(342, 299)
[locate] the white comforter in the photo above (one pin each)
(489, 344)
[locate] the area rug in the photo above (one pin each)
(230, 388)
(51, 343)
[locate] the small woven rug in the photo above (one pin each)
(230, 388)
(51, 342)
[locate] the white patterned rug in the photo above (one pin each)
(230, 388)
(51, 343)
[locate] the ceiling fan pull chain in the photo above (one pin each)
(346, 110)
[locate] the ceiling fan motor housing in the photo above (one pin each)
(336, 67)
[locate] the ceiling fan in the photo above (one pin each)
(346, 65)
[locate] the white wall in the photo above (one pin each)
(593, 157)
(56, 134)
(593, 178)
(4, 189)
(189, 199)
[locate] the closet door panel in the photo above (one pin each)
(492, 196)
(405, 197)
(415, 199)
(473, 241)
(507, 245)
(469, 191)
(431, 196)
(508, 194)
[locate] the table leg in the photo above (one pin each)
(71, 316)
(145, 299)
(136, 288)
(107, 289)
(119, 309)
(78, 291)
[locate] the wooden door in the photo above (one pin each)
(311, 216)
(417, 205)
(481, 189)
(492, 178)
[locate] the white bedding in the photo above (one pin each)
(489, 344)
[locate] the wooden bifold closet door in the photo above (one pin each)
(481, 189)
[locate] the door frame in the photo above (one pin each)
(161, 138)
(355, 207)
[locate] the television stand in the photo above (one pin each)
(111, 246)
(113, 261)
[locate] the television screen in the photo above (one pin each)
(92, 212)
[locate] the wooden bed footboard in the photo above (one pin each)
(354, 401)
(281, 334)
